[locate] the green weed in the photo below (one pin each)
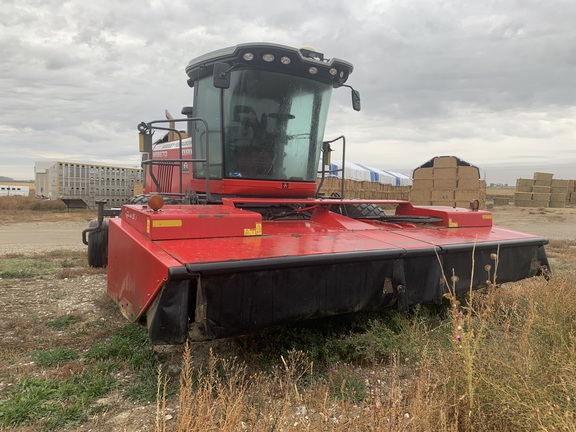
(53, 404)
(131, 347)
(348, 386)
(25, 268)
(62, 322)
(58, 262)
(70, 263)
(346, 338)
(53, 357)
(50, 404)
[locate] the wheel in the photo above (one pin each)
(363, 211)
(98, 245)
(143, 199)
(360, 211)
(138, 199)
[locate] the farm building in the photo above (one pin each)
(81, 185)
(11, 190)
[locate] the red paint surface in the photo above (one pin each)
(140, 257)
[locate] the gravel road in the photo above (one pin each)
(30, 237)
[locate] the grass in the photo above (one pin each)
(352, 338)
(496, 359)
(54, 403)
(62, 323)
(72, 381)
(61, 263)
(499, 359)
(562, 253)
(25, 267)
(15, 209)
(130, 346)
(75, 361)
(53, 357)
(20, 203)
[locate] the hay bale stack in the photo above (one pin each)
(542, 191)
(558, 193)
(447, 181)
(501, 201)
(364, 189)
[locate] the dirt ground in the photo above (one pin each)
(553, 223)
(29, 237)
(48, 298)
(27, 304)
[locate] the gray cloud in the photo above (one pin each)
(488, 81)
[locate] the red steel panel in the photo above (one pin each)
(248, 187)
(137, 268)
(142, 254)
(190, 222)
(307, 238)
(452, 217)
(455, 236)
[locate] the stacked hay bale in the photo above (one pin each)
(447, 181)
(558, 193)
(541, 191)
(523, 192)
(364, 189)
(422, 185)
(501, 201)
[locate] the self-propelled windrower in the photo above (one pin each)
(242, 240)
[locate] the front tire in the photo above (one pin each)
(360, 211)
(363, 211)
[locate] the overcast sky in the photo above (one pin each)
(492, 82)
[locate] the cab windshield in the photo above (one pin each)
(273, 126)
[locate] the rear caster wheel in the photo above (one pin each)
(98, 245)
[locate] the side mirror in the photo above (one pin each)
(145, 138)
(145, 142)
(188, 111)
(221, 75)
(356, 100)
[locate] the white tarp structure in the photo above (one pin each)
(360, 172)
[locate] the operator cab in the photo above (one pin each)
(265, 107)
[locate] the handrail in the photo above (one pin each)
(325, 150)
(181, 160)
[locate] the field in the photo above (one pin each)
(498, 359)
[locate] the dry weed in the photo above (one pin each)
(14, 209)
